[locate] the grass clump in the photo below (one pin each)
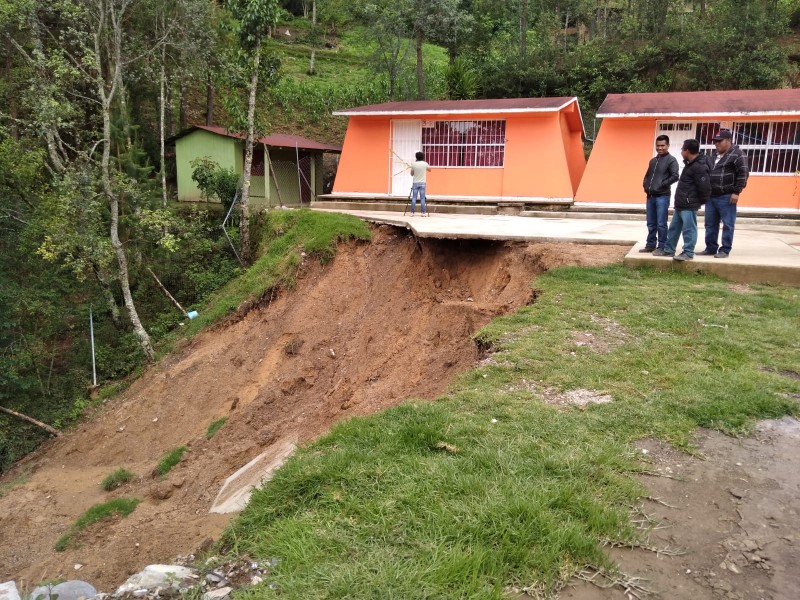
(116, 479)
(535, 487)
(171, 458)
(214, 427)
(119, 507)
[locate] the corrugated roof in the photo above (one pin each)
(277, 140)
(733, 103)
(431, 107)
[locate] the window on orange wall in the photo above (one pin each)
(772, 147)
(475, 144)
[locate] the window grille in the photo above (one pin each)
(772, 147)
(464, 143)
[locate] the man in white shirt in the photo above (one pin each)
(419, 171)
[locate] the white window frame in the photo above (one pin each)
(757, 153)
(447, 147)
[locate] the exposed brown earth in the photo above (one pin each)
(383, 322)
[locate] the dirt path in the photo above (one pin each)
(381, 323)
(733, 516)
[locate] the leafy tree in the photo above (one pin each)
(255, 18)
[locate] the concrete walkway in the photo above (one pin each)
(762, 252)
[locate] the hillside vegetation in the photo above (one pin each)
(85, 186)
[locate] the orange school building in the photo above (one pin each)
(519, 150)
(765, 125)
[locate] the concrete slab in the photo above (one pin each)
(763, 252)
(235, 492)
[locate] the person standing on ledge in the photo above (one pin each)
(419, 171)
(729, 173)
(661, 173)
(694, 188)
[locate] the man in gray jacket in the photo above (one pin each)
(729, 173)
(661, 173)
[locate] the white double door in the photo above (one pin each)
(405, 143)
(678, 132)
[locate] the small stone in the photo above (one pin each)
(256, 580)
(218, 594)
(738, 493)
(155, 420)
(78, 566)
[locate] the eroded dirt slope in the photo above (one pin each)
(381, 323)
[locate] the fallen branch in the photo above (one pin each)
(166, 292)
(44, 426)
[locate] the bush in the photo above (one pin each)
(116, 479)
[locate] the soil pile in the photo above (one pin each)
(381, 323)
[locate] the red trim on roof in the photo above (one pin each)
(461, 106)
(718, 103)
(277, 140)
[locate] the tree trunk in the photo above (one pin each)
(244, 225)
(209, 101)
(523, 28)
(12, 99)
(161, 79)
(106, 98)
(44, 426)
(311, 66)
(420, 74)
(183, 104)
(111, 302)
(170, 129)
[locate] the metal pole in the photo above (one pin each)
(91, 334)
(299, 185)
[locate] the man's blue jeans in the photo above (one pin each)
(683, 222)
(719, 209)
(418, 189)
(657, 210)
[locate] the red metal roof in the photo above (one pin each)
(277, 140)
(431, 107)
(697, 104)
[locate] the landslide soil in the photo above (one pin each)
(381, 323)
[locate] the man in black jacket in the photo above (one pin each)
(729, 173)
(661, 173)
(694, 189)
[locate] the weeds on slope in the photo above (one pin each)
(285, 235)
(506, 483)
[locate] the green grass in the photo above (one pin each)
(214, 427)
(23, 477)
(171, 458)
(119, 507)
(491, 488)
(286, 234)
(117, 479)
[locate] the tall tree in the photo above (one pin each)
(255, 19)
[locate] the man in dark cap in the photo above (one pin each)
(729, 173)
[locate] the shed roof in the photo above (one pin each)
(735, 103)
(277, 140)
(456, 107)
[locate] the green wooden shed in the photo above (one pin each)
(291, 164)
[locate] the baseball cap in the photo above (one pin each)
(724, 134)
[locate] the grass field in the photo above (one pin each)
(507, 483)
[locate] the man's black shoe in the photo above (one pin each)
(647, 249)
